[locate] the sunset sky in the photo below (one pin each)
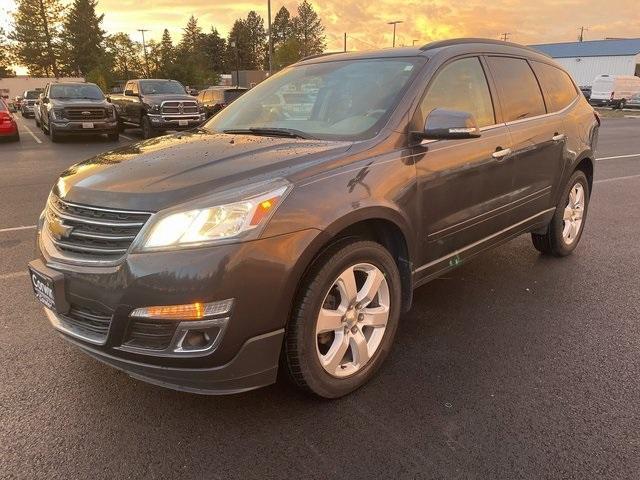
(365, 21)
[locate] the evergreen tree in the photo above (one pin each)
(256, 40)
(166, 54)
(238, 50)
(309, 30)
(286, 53)
(281, 28)
(192, 37)
(83, 37)
(213, 46)
(36, 35)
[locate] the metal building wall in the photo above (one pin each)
(585, 69)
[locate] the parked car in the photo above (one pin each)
(586, 91)
(156, 106)
(614, 90)
(198, 261)
(214, 99)
(18, 102)
(8, 125)
(76, 108)
(634, 101)
(27, 104)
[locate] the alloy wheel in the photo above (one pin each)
(573, 213)
(352, 320)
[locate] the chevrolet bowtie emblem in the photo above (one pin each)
(58, 229)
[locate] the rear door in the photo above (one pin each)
(538, 139)
(464, 184)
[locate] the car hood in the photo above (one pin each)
(159, 98)
(166, 171)
(77, 102)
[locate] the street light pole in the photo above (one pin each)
(270, 39)
(394, 23)
(144, 49)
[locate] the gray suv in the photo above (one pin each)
(289, 232)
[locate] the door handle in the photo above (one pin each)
(558, 137)
(501, 153)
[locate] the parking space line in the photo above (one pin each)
(628, 177)
(15, 229)
(30, 132)
(128, 138)
(631, 155)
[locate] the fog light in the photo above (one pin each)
(191, 311)
(195, 339)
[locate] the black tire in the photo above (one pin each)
(552, 242)
(45, 129)
(37, 122)
(147, 130)
(53, 135)
(114, 136)
(16, 137)
(621, 104)
(300, 352)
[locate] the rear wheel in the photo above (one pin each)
(344, 320)
(565, 229)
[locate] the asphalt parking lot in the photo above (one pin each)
(513, 366)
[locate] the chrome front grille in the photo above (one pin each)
(92, 232)
(184, 107)
(83, 113)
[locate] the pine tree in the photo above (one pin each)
(213, 46)
(83, 37)
(192, 37)
(256, 40)
(309, 30)
(166, 54)
(36, 35)
(281, 28)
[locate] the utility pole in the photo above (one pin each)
(270, 38)
(144, 49)
(505, 36)
(582, 30)
(345, 42)
(234, 44)
(394, 23)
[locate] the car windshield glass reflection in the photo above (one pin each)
(332, 100)
(89, 92)
(151, 87)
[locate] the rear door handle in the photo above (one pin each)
(558, 137)
(501, 154)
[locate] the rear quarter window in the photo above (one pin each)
(559, 90)
(520, 94)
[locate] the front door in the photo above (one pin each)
(464, 185)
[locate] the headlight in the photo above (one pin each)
(58, 113)
(199, 226)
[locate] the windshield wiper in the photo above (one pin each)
(271, 132)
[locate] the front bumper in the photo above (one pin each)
(176, 122)
(74, 127)
(247, 354)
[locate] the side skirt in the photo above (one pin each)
(435, 268)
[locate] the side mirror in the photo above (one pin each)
(129, 93)
(108, 99)
(444, 124)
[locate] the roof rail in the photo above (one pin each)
(463, 41)
(318, 55)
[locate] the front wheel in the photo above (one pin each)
(53, 134)
(114, 136)
(565, 229)
(345, 318)
(147, 130)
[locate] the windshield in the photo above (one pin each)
(150, 87)
(348, 100)
(31, 94)
(75, 91)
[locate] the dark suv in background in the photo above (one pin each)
(76, 108)
(214, 99)
(294, 235)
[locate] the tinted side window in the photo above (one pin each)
(559, 90)
(208, 96)
(520, 94)
(461, 85)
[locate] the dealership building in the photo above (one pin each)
(586, 60)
